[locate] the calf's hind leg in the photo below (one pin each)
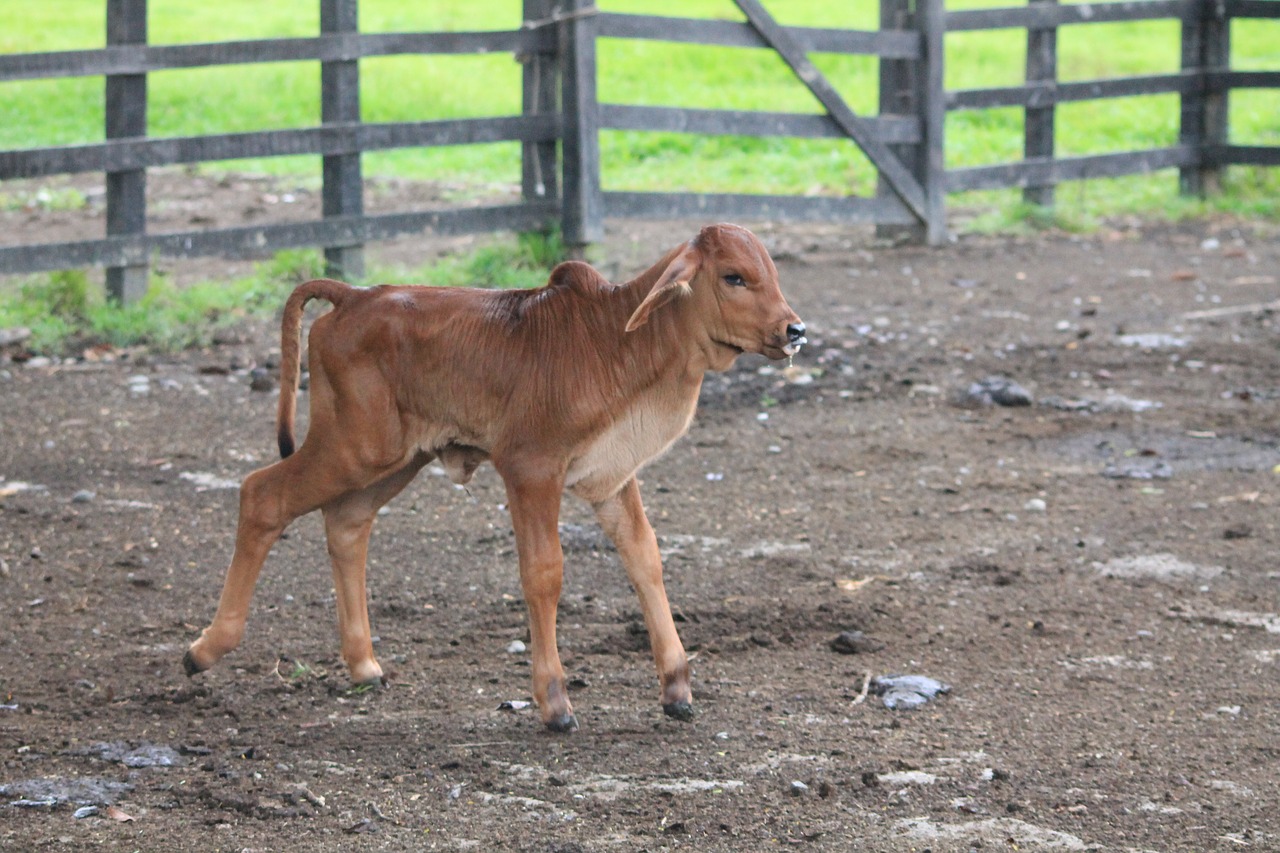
(348, 522)
(270, 499)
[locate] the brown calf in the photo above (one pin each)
(575, 386)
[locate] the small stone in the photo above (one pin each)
(516, 648)
(1035, 505)
(83, 496)
(15, 335)
(997, 390)
(260, 379)
(855, 643)
(798, 788)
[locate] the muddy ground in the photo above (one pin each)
(1094, 575)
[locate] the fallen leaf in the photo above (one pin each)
(117, 815)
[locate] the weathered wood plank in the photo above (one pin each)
(342, 194)
(583, 215)
(899, 178)
(126, 116)
(899, 129)
(326, 48)
(933, 30)
(1038, 123)
(1251, 9)
(1044, 93)
(121, 154)
(261, 241)
(889, 44)
(1037, 16)
(643, 205)
(901, 93)
(1069, 169)
(1205, 50)
(540, 85)
(1221, 80)
(1242, 155)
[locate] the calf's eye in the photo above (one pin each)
(734, 280)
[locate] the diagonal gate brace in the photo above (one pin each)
(899, 179)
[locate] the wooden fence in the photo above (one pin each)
(1203, 84)
(561, 120)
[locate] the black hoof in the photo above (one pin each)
(563, 723)
(682, 711)
(189, 665)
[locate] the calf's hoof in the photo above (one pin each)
(682, 711)
(189, 664)
(563, 723)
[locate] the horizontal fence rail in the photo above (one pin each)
(330, 48)
(562, 117)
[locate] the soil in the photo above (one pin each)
(1092, 574)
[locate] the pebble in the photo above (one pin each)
(907, 691)
(516, 648)
(855, 642)
(998, 390)
(83, 496)
(798, 788)
(260, 379)
(1035, 505)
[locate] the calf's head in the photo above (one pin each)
(731, 286)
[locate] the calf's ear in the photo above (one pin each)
(673, 282)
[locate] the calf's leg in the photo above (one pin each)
(270, 498)
(348, 521)
(535, 514)
(623, 519)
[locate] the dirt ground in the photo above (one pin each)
(1093, 574)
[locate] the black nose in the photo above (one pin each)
(795, 332)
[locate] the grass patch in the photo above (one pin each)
(66, 313)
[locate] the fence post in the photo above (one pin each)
(932, 22)
(126, 116)
(1042, 66)
(582, 211)
(899, 92)
(915, 88)
(540, 86)
(1206, 48)
(343, 192)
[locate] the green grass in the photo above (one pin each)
(65, 313)
(286, 95)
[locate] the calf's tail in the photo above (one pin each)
(329, 290)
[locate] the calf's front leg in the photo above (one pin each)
(535, 515)
(623, 519)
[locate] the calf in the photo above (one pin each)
(572, 386)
